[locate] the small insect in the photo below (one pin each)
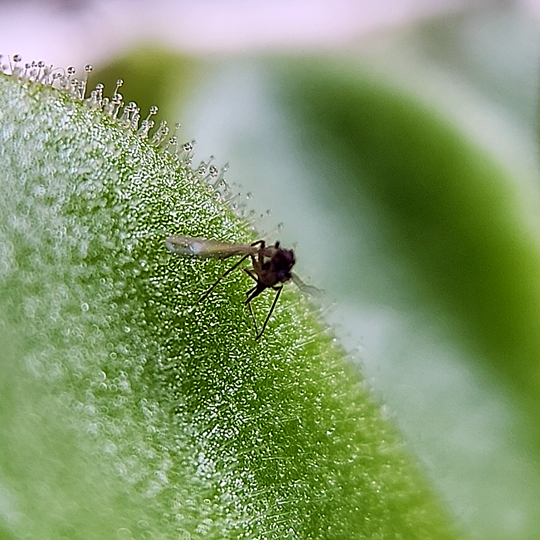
(271, 266)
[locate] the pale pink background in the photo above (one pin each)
(76, 32)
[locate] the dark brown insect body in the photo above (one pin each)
(271, 265)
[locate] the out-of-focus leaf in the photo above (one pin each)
(454, 215)
(151, 76)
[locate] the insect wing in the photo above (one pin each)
(304, 287)
(188, 246)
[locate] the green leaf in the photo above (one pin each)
(130, 410)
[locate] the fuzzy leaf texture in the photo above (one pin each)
(127, 409)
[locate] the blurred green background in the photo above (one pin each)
(403, 167)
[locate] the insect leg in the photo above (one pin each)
(260, 255)
(254, 320)
(205, 295)
(251, 273)
(278, 289)
(251, 294)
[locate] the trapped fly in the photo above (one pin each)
(271, 266)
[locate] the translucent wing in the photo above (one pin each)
(188, 246)
(308, 289)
